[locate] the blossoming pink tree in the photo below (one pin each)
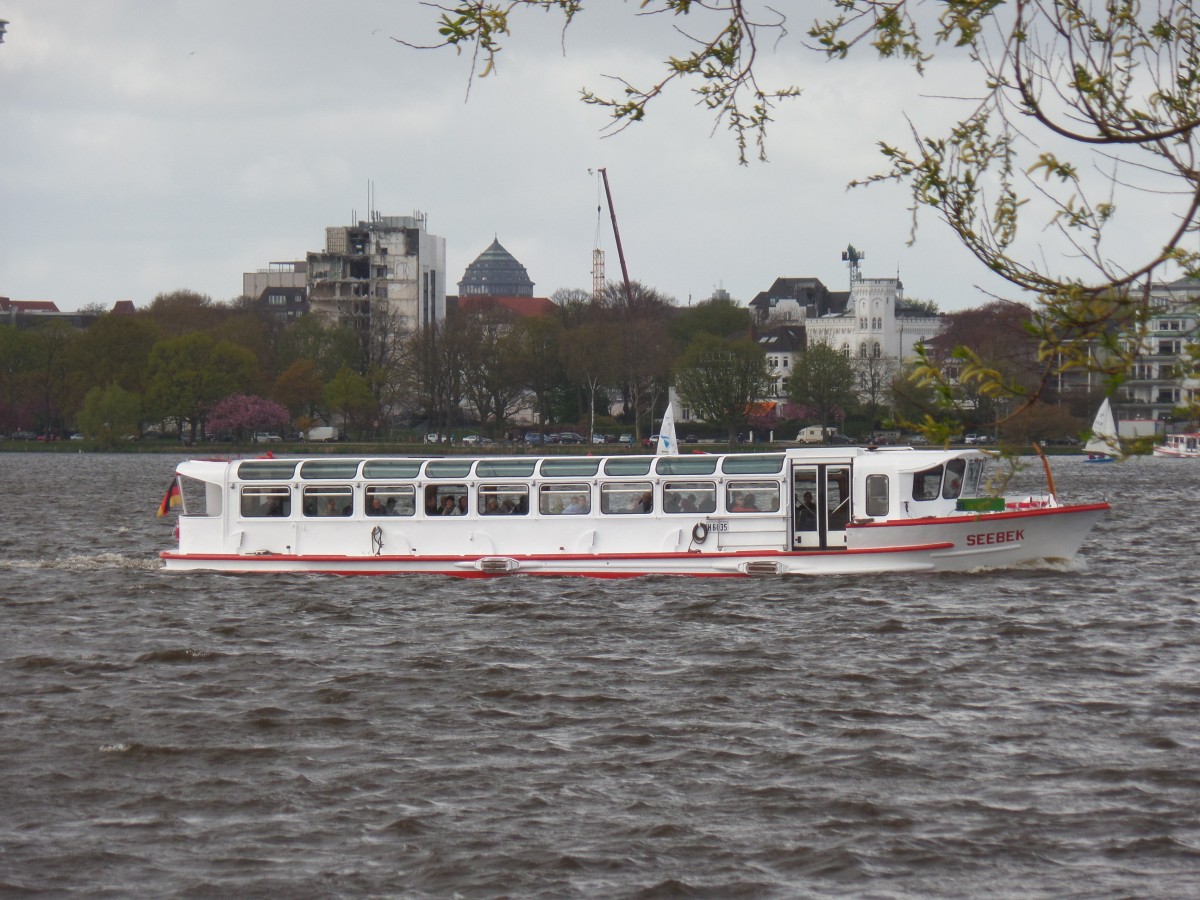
(246, 413)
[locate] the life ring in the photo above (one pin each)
(700, 533)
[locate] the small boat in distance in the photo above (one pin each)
(801, 511)
(1180, 446)
(1104, 445)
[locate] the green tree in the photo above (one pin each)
(718, 378)
(350, 394)
(534, 345)
(1080, 110)
(109, 413)
(589, 355)
(189, 374)
(299, 388)
(822, 381)
(717, 316)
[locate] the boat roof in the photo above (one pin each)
(900, 459)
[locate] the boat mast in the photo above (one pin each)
(617, 234)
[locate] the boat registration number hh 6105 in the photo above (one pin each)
(996, 537)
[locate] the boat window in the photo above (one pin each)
(503, 499)
(558, 468)
(752, 496)
(329, 468)
(686, 465)
(927, 484)
(635, 465)
(565, 499)
(266, 469)
(198, 499)
(689, 497)
(448, 468)
(328, 500)
(626, 497)
(394, 500)
(974, 479)
(392, 468)
(877, 495)
(504, 468)
(952, 486)
(752, 464)
(267, 500)
(445, 499)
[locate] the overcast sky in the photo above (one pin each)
(147, 147)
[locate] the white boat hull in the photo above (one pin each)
(955, 544)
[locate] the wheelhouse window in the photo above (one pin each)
(689, 497)
(328, 500)
(953, 485)
(878, 503)
(266, 500)
(974, 479)
(565, 499)
(503, 499)
(752, 496)
(927, 484)
(391, 500)
(622, 498)
(445, 499)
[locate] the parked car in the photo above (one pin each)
(570, 437)
(267, 437)
(599, 438)
(839, 439)
(79, 436)
(435, 438)
(651, 441)
(533, 437)
(691, 439)
(626, 439)
(472, 439)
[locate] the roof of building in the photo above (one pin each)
(25, 306)
(783, 339)
(526, 307)
(808, 292)
(124, 308)
(495, 271)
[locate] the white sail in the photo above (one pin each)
(1104, 438)
(667, 445)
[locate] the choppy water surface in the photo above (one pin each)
(1006, 734)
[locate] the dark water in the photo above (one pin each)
(1031, 733)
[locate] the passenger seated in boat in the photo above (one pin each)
(491, 507)
(806, 513)
(688, 504)
(390, 507)
(275, 507)
(376, 508)
(449, 507)
(576, 506)
(462, 505)
(744, 503)
(645, 503)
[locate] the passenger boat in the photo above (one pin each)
(1180, 446)
(803, 511)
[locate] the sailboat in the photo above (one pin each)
(1103, 445)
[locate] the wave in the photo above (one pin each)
(87, 563)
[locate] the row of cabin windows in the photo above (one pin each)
(558, 499)
(561, 467)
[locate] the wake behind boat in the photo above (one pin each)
(805, 511)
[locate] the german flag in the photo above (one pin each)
(171, 499)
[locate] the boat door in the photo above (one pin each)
(820, 506)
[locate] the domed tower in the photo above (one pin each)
(496, 272)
